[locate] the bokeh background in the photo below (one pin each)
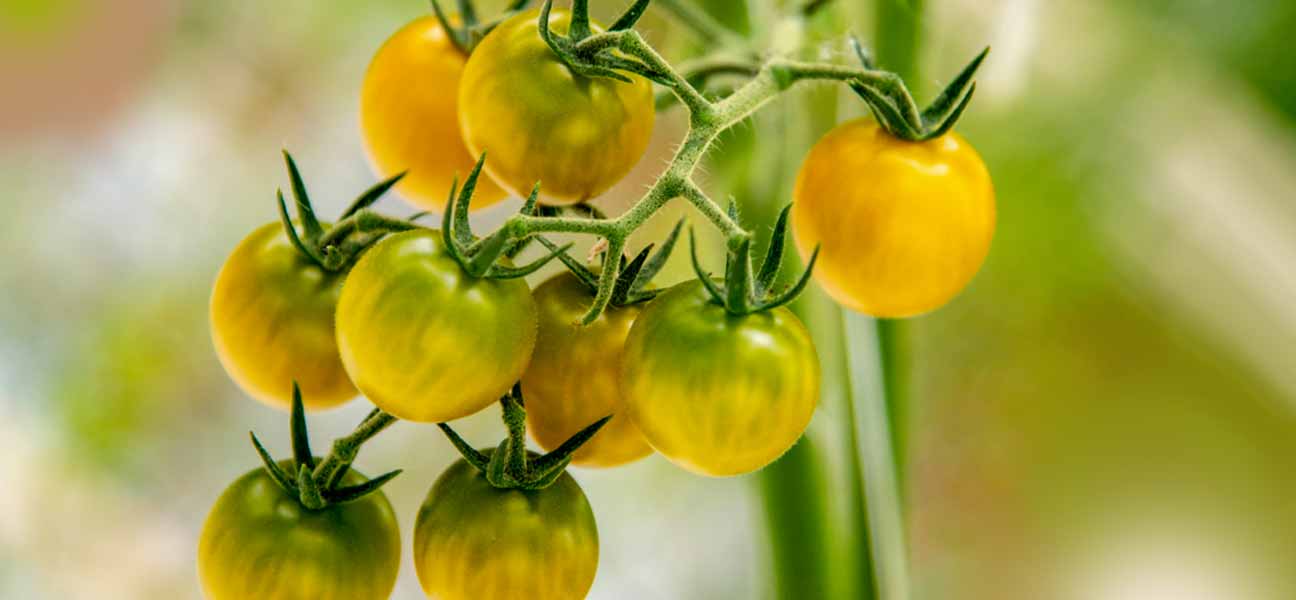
(1109, 413)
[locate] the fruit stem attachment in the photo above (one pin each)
(316, 484)
(510, 465)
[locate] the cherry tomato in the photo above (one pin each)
(272, 322)
(537, 121)
(574, 375)
(904, 226)
(409, 116)
(715, 393)
(260, 542)
(424, 340)
(473, 541)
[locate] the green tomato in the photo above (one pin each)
(715, 393)
(473, 541)
(272, 322)
(260, 542)
(423, 339)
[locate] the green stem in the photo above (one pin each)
(334, 466)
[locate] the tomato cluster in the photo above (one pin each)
(716, 375)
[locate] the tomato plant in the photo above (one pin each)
(906, 231)
(409, 115)
(540, 122)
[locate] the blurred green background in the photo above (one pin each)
(1109, 413)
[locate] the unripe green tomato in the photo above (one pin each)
(718, 394)
(473, 541)
(902, 226)
(539, 122)
(260, 542)
(574, 377)
(271, 320)
(426, 341)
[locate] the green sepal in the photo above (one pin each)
(773, 262)
(717, 295)
(470, 454)
(300, 438)
(565, 451)
(305, 212)
(564, 46)
(658, 260)
(291, 230)
(625, 279)
(478, 258)
(742, 292)
(631, 16)
(895, 109)
(372, 195)
(358, 491)
(272, 468)
(308, 489)
(501, 272)
(581, 272)
(529, 208)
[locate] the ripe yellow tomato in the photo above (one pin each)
(426, 341)
(272, 323)
(904, 226)
(473, 541)
(409, 116)
(718, 394)
(574, 375)
(260, 542)
(537, 121)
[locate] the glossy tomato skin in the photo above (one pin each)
(574, 377)
(409, 116)
(904, 226)
(715, 393)
(538, 121)
(259, 542)
(424, 340)
(473, 541)
(271, 319)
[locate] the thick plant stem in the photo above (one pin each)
(334, 466)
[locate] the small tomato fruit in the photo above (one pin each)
(271, 320)
(574, 375)
(903, 226)
(260, 542)
(473, 541)
(423, 339)
(718, 394)
(409, 116)
(539, 122)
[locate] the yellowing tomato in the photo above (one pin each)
(537, 121)
(718, 394)
(260, 542)
(272, 323)
(423, 339)
(409, 116)
(574, 375)
(904, 226)
(473, 541)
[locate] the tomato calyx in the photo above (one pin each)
(591, 54)
(317, 483)
(633, 276)
(335, 249)
(745, 290)
(467, 30)
(511, 465)
(480, 257)
(896, 110)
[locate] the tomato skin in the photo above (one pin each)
(259, 542)
(715, 393)
(574, 377)
(424, 340)
(271, 319)
(473, 541)
(409, 116)
(538, 121)
(904, 226)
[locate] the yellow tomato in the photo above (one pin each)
(718, 394)
(424, 340)
(904, 226)
(538, 121)
(573, 379)
(409, 116)
(272, 323)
